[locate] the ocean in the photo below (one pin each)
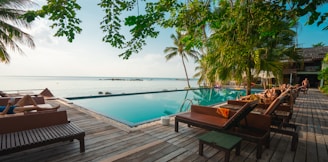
(73, 86)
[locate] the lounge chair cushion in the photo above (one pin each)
(205, 119)
(41, 106)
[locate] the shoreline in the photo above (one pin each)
(90, 86)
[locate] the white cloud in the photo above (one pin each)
(42, 33)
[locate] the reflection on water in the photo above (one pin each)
(213, 96)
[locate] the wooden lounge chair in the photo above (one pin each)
(281, 108)
(240, 123)
(280, 118)
(280, 111)
(21, 132)
(208, 117)
(28, 103)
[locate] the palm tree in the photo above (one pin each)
(180, 50)
(246, 37)
(207, 71)
(10, 33)
(201, 72)
(320, 44)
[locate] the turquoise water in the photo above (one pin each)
(138, 109)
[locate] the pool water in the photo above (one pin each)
(137, 109)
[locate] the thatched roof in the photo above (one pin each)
(314, 53)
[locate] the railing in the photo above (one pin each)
(181, 107)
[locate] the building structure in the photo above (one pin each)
(308, 67)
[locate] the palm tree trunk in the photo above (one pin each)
(249, 80)
(185, 69)
(248, 72)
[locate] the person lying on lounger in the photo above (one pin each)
(12, 108)
(265, 97)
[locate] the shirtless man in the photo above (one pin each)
(305, 85)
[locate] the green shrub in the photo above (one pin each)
(324, 89)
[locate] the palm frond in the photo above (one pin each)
(4, 56)
(11, 34)
(171, 55)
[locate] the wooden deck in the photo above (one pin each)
(155, 142)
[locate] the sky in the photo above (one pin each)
(89, 56)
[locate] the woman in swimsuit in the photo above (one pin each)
(12, 108)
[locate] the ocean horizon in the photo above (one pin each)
(74, 86)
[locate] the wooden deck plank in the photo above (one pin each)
(320, 129)
(123, 145)
(288, 155)
(281, 148)
(130, 152)
(151, 154)
(275, 144)
(171, 155)
(311, 144)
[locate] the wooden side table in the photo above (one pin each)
(222, 141)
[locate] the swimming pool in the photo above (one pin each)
(137, 109)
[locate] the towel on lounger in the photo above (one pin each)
(223, 112)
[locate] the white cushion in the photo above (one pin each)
(41, 106)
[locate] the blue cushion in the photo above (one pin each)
(11, 109)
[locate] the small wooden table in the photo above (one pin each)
(222, 141)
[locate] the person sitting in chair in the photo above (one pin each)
(270, 94)
(13, 108)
